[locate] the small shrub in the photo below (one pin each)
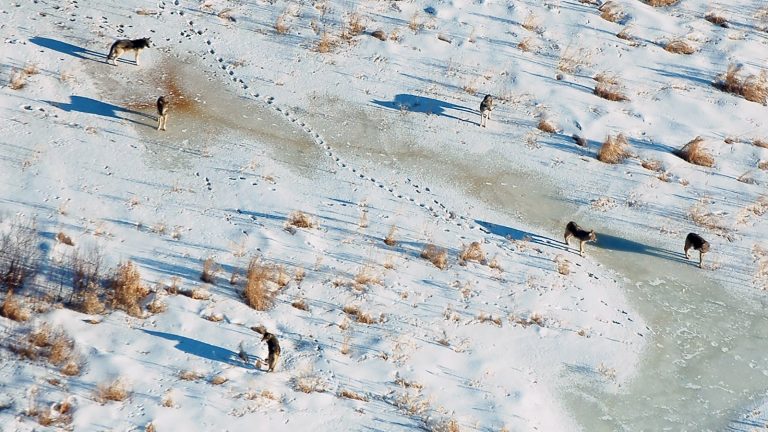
(716, 18)
(652, 165)
(611, 11)
(210, 268)
(188, 375)
(527, 44)
(609, 92)
(753, 88)
(379, 34)
(126, 289)
(349, 394)
(12, 309)
(257, 293)
(472, 252)
(531, 23)
(64, 239)
(415, 23)
(300, 219)
(547, 126)
(614, 149)
(115, 391)
(19, 254)
(308, 383)
(326, 43)
(389, 240)
(661, 3)
(563, 265)
(436, 255)
(355, 24)
(679, 46)
(300, 304)
(358, 315)
(281, 23)
(695, 153)
(219, 380)
(763, 165)
(759, 142)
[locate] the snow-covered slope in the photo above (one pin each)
(373, 140)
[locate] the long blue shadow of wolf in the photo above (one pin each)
(421, 104)
(204, 350)
(87, 105)
(72, 50)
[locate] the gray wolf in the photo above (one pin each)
(486, 106)
(122, 45)
(573, 230)
(274, 350)
(162, 112)
(695, 241)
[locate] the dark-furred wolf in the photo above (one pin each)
(486, 106)
(573, 230)
(162, 112)
(695, 241)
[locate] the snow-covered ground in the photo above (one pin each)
(377, 137)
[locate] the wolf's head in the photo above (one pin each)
(145, 42)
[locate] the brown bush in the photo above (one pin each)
(210, 268)
(115, 391)
(753, 88)
(281, 23)
(652, 165)
(436, 255)
(716, 18)
(614, 149)
(527, 44)
(389, 240)
(300, 219)
(86, 271)
(326, 43)
(679, 46)
(358, 315)
(355, 24)
(611, 92)
(611, 11)
(625, 34)
(546, 126)
(349, 394)
(257, 293)
(12, 309)
(300, 304)
(64, 239)
(126, 289)
(760, 142)
(695, 153)
(472, 252)
(661, 3)
(19, 254)
(366, 277)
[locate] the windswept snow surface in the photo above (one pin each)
(377, 137)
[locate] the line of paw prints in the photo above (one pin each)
(434, 207)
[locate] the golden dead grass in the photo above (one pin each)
(547, 126)
(652, 165)
(436, 255)
(611, 11)
(389, 240)
(326, 43)
(116, 391)
(611, 92)
(64, 239)
(527, 44)
(281, 23)
(210, 268)
(701, 216)
(300, 219)
(366, 277)
(753, 88)
(449, 425)
(12, 308)
(126, 289)
(19, 76)
(359, 316)
(660, 3)
(760, 142)
(679, 46)
(694, 152)
(614, 149)
(257, 293)
(355, 24)
(219, 380)
(300, 304)
(716, 18)
(563, 265)
(188, 375)
(472, 252)
(349, 394)
(308, 383)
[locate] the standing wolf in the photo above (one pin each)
(122, 45)
(274, 350)
(486, 106)
(695, 241)
(573, 230)
(162, 112)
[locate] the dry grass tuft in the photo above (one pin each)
(701, 216)
(436, 255)
(226, 15)
(300, 219)
(366, 277)
(349, 394)
(571, 60)
(64, 239)
(679, 46)
(415, 23)
(760, 142)
(281, 23)
(12, 309)
(527, 44)
(450, 425)
(300, 304)
(326, 43)
(614, 149)
(716, 18)
(257, 293)
(188, 375)
(389, 240)
(611, 92)
(531, 23)
(19, 76)
(472, 252)
(652, 165)
(210, 268)
(695, 153)
(625, 34)
(563, 265)
(126, 289)
(753, 88)
(115, 391)
(763, 165)
(611, 11)
(219, 380)
(547, 126)
(358, 315)
(661, 3)
(308, 383)
(355, 24)
(760, 258)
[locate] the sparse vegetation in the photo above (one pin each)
(389, 240)
(358, 315)
(611, 11)
(126, 289)
(19, 76)
(753, 88)
(679, 46)
(116, 391)
(472, 252)
(436, 255)
(716, 18)
(299, 219)
(661, 3)
(257, 293)
(614, 149)
(349, 394)
(547, 126)
(563, 265)
(12, 308)
(210, 268)
(19, 254)
(695, 153)
(281, 23)
(325, 45)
